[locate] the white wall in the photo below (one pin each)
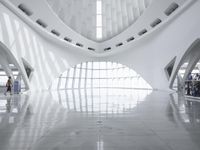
(148, 57)
(47, 59)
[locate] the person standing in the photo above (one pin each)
(9, 86)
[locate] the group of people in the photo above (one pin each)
(194, 77)
(192, 85)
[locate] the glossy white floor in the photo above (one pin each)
(99, 119)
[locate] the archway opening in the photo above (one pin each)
(100, 87)
(192, 80)
(186, 77)
(10, 67)
(100, 75)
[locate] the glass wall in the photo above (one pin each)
(99, 75)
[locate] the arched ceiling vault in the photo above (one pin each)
(73, 23)
(115, 15)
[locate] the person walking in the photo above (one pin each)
(9, 86)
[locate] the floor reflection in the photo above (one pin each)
(104, 100)
(10, 108)
(26, 118)
(188, 110)
(99, 119)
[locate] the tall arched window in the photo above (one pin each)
(100, 75)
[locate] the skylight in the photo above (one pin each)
(99, 19)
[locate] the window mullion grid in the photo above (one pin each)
(123, 79)
(107, 88)
(112, 74)
(99, 90)
(74, 101)
(129, 74)
(86, 102)
(92, 87)
(73, 79)
(80, 74)
(79, 86)
(85, 85)
(59, 97)
(67, 99)
(67, 79)
(66, 92)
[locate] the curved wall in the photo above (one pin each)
(6, 58)
(38, 15)
(148, 57)
(47, 59)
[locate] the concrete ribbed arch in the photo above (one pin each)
(191, 56)
(7, 57)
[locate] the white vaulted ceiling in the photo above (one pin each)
(117, 15)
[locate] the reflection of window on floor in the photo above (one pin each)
(10, 108)
(102, 100)
(100, 75)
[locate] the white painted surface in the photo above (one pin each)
(147, 56)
